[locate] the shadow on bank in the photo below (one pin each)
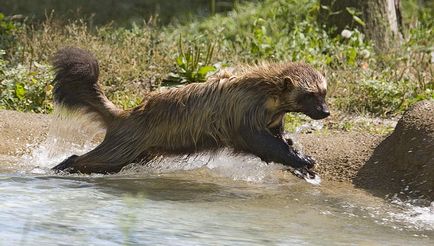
(403, 163)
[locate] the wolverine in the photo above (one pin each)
(242, 110)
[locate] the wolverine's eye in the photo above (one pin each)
(311, 94)
(306, 96)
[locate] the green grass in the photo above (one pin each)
(140, 58)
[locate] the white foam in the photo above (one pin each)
(242, 167)
(313, 125)
(414, 217)
(315, 181)
(223, 164)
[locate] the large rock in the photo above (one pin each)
(403, 163)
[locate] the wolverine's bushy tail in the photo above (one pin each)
(76, 84)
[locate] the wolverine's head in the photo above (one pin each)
(288, 87)
(305, 91)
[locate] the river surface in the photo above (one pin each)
(193, 200)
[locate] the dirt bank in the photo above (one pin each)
(18, 129)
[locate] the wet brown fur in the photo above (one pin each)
(196, 117)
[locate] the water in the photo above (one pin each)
(171, 210)
(191, 200)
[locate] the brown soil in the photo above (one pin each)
(339, 155)
(405, 158)
(18, 129)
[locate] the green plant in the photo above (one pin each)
(293, 121)
(25, 89)
(192, 65)
(7, 29)
(355, 14)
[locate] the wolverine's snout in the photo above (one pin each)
(318, 112)
(323, 111)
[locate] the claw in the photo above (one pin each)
(311, 162)
(306, 174)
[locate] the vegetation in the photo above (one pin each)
(140, 58)
(192, 64)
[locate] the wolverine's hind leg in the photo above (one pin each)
(66, 164)
(110, 156)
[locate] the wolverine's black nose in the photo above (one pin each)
(325, 113)
(319, 113)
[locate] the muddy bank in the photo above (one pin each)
(405, 158)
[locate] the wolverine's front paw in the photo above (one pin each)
(304, 168)
(310, 161)
(303, 161)
(66, 165)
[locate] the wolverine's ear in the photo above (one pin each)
(288, 84)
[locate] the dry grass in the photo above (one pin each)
(131, 61)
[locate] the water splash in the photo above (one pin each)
(224, 163)
(69, 133)
(414, 216)
(315, 180)
(243, 167)
(313, 125)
